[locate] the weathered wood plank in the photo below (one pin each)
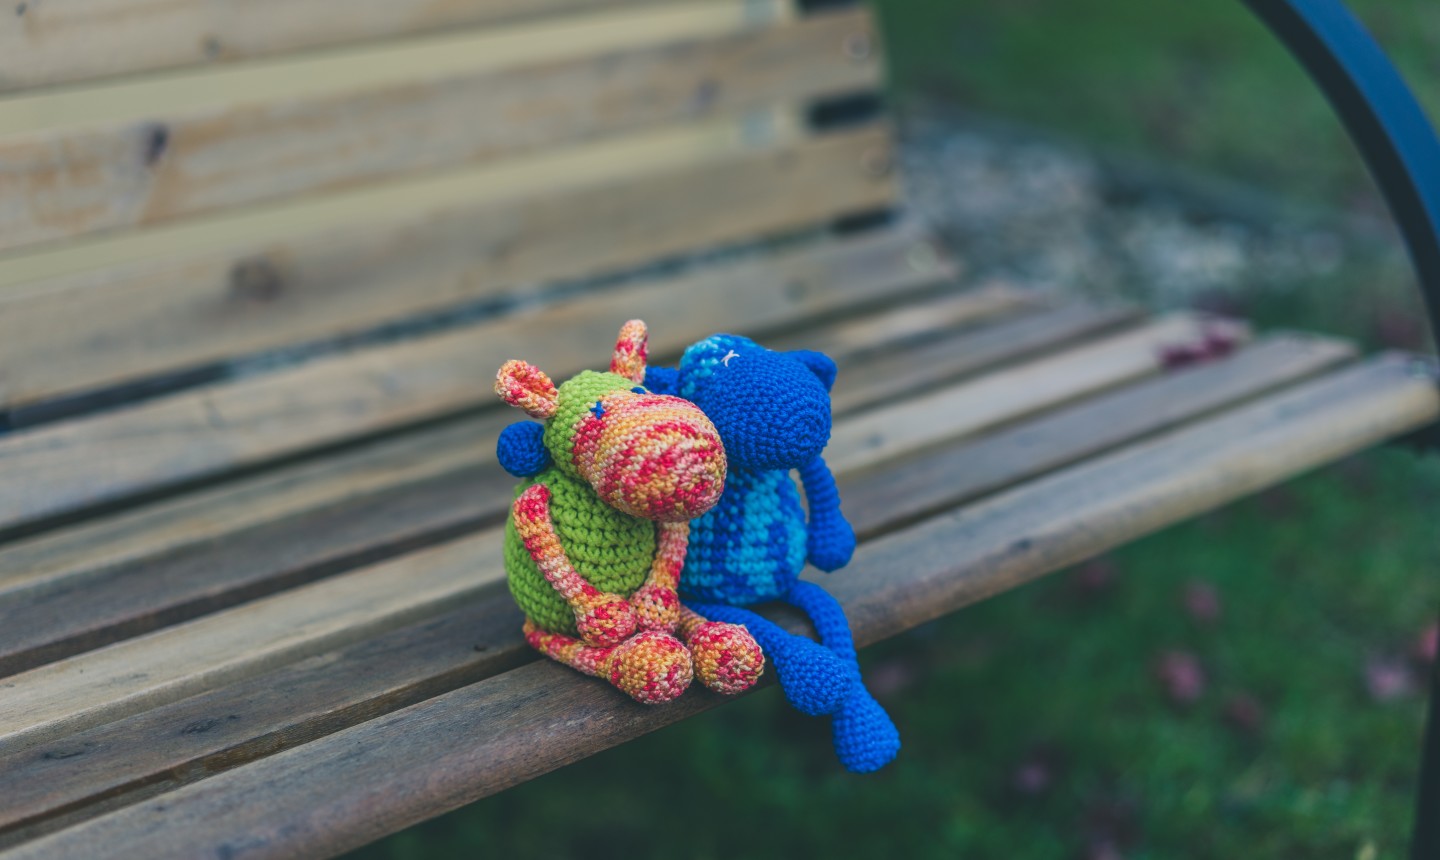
(361, 783)
(171, 164)
(820, 279)
(609, 206)
(58, 42)
(969, 407)
(54, 469)
(77, 776)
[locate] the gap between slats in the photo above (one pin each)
(319, 799)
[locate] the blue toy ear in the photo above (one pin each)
(521, 449)
(819, 363)
(662, 380)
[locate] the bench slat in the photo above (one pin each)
(367, 781)
(971, 406)
(248, 719)
(72, 181)
(55, 469)
(56, 42)
(486, 234)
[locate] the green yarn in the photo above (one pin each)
(612, 550)
(577, 396)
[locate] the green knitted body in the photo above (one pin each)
(612, 550)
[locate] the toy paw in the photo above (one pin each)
(865, 737)
(815, 681)
(656, 607)
(651, 667)
(727, 658)
(609, 621)
(832, 548)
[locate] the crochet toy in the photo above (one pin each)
(772, 410)
(599, 530)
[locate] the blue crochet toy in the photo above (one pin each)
(772, 410)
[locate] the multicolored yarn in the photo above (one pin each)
(599, 530)
(772, 411)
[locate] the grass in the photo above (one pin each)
(1243, 685)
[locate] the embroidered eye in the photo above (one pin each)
(729, 355)
(638, 390)
(598, 410)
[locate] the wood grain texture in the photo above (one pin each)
(186, 659)
(645, 199)
(80, 774)
(59, 41)
(172, 164)
(359, 784)
(59, 468)
(777, 289)
(969, 407)
(921, 366)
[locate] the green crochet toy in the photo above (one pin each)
(599, 530)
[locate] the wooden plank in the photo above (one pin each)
(173, 163)
(923, 366)
(79, 775)
(359, 784)
(603, 208)
(51, 42)
(969, 407)
(220, 427)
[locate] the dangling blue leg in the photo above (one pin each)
(814, 680)
(865, 737)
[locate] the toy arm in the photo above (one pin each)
(601, 618)
(656, 601)
(830, 541)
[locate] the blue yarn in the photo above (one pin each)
(521, 449)
(772, 410)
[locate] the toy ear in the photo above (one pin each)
(521, 449)
(819, 363)
(628, 359)
(527, 386)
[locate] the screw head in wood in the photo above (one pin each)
(857, 46)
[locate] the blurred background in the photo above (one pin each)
(1250, 684)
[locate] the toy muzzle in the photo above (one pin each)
(651, 456)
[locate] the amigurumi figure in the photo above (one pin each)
(772, 410)
(599, 530)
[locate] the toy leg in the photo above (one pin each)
(727, 658)
(814, 681)
(651, 667)
(865, 737)
(602, 619)
(656, 603)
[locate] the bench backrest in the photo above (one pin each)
(231, 233)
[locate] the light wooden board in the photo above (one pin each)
(359, 784)
(822, 278)
(616, 205)
(968, 407)
(62, 697)
(58, 41)
(53, 469)
(120, 762)
(173, 163)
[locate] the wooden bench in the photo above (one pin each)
(258, 269)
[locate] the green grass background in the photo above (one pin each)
(1056, 681)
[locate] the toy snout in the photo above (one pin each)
(651, 456)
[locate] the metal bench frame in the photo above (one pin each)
(1403, 153)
